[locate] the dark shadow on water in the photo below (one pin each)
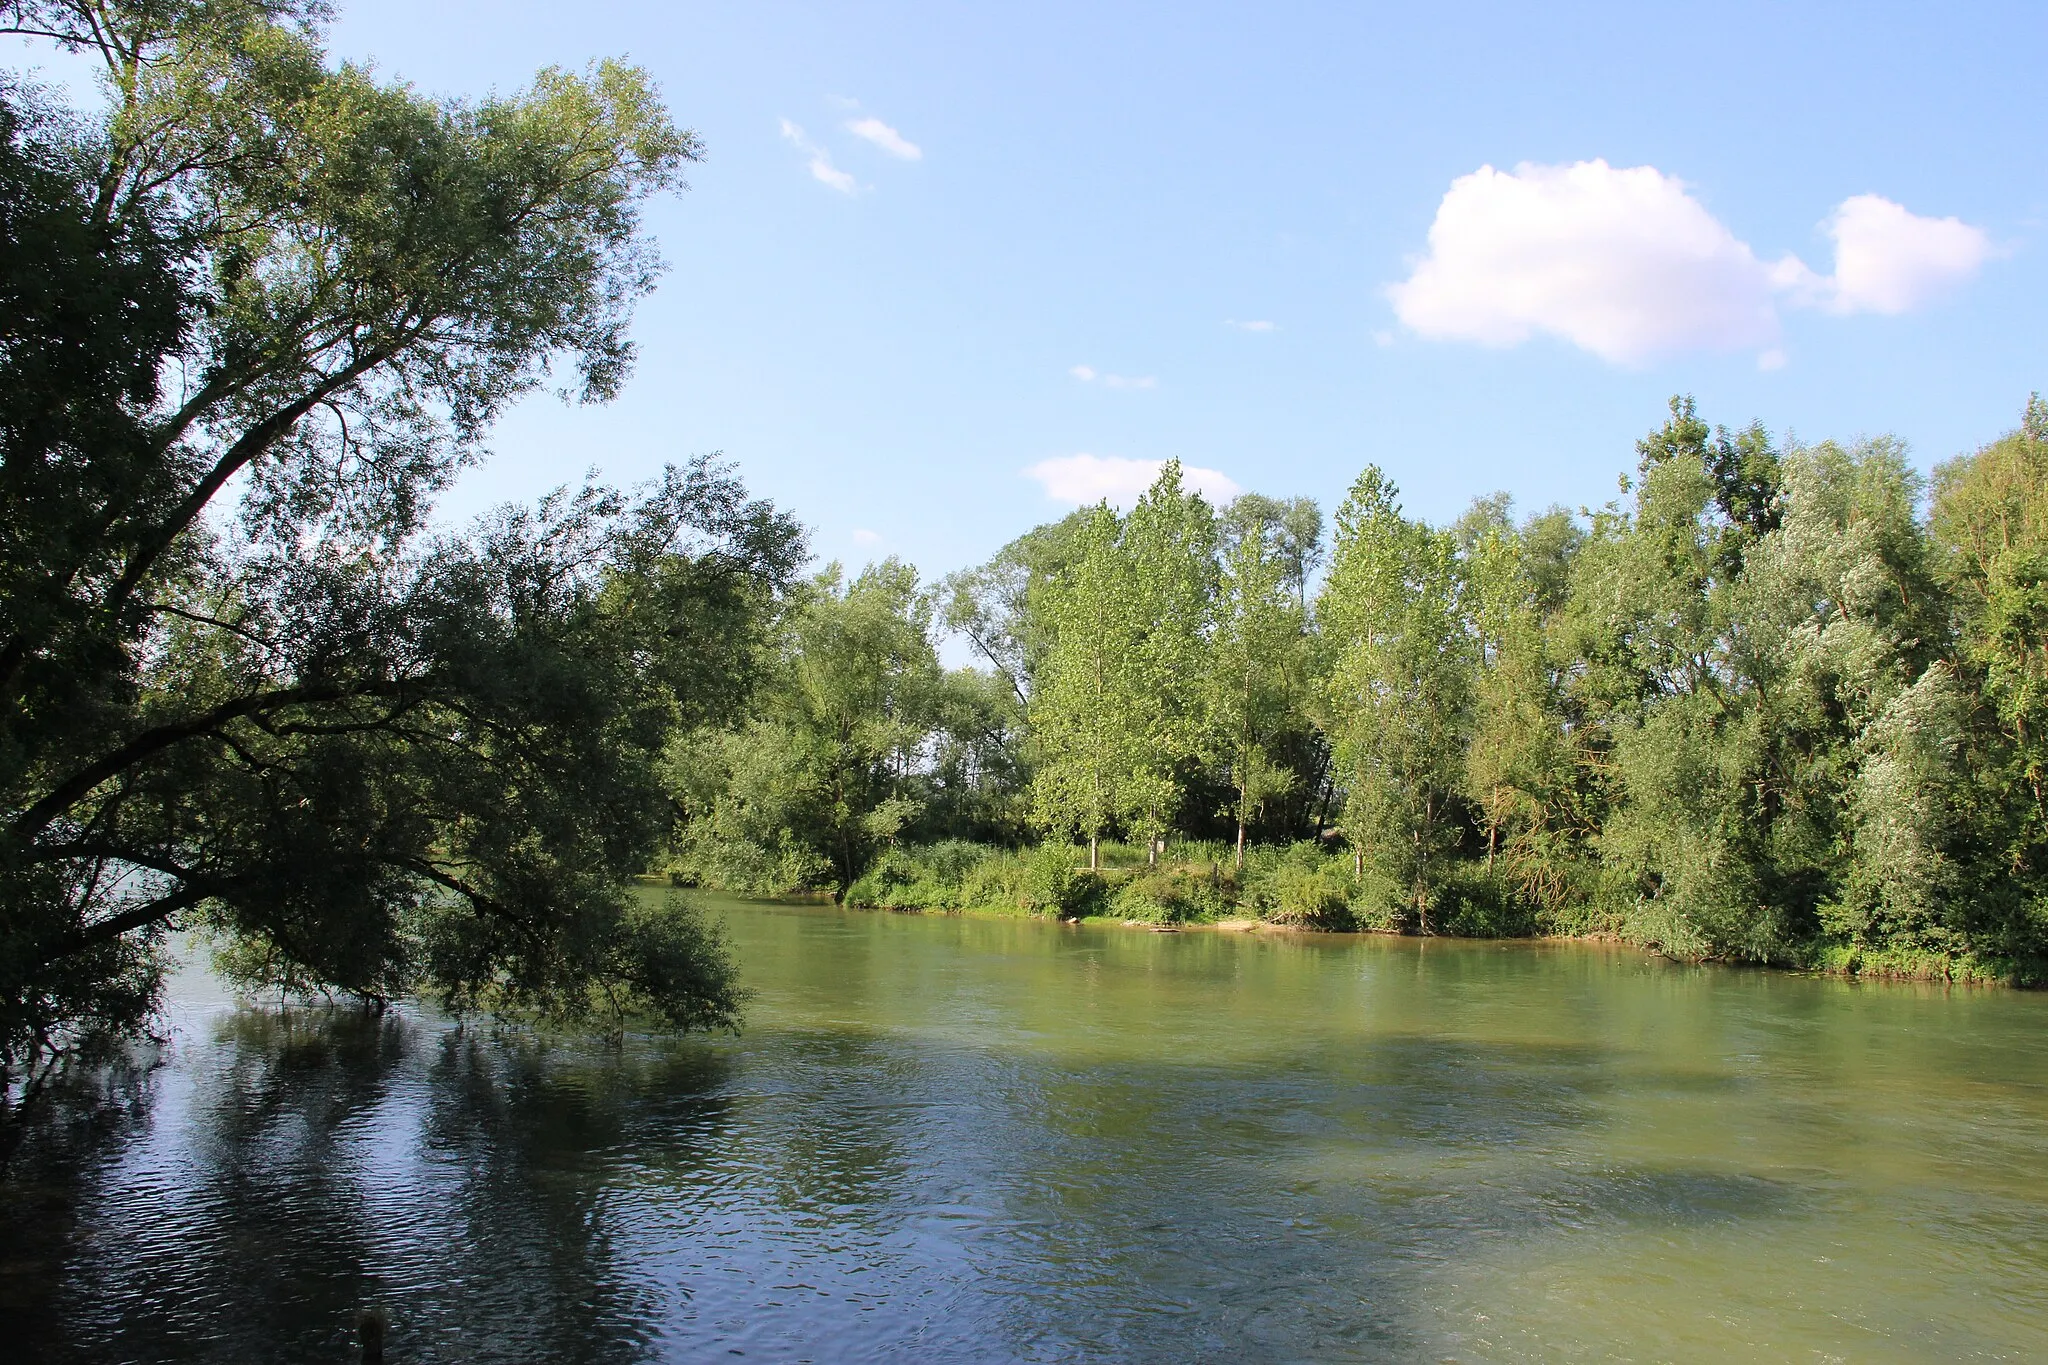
(303, 1164)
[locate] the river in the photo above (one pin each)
(961, 1139)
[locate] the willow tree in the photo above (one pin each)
(273, 307)
(1990, 527)
(1397, 694)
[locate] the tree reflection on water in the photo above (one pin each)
(301, 1164)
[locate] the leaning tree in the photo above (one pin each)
(257, 309)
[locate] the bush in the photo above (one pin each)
(1300, 884)
(1054, 885)
(1477, 903)
(900, 880)
(703, 857)
(996, 883)
(952, 860)
(1171, 895)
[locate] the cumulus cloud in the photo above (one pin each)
(1890, 261)
(1624, 263)
(1088, 374)
(887, 138)
(862, 536)
(1627, 264)
(1082, 479)
(822, 169)
(1260, 326)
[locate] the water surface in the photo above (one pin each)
(989, 1140)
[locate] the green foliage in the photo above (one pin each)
(1989, 529)
(259, 309)
(857, 741)
(1397, 696)
(1762, 708)
(1174, 894)
(1087, 703)
(1300, 885)
(1116, 711)
(1257, 657)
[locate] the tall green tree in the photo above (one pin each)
(1088, 708)
(1990, 528)
(1294, 528)
(832, 763)
(1257, 658)
(1397, 695)
(997, 606)
(860, 694)
(267, 307)
(1170, 544)
(1840, 636)
(1518, 763)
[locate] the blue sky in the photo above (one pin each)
(1114, 189)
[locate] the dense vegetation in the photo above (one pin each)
(1770, 705)
(254, 315)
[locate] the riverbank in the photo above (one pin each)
(1827, 960)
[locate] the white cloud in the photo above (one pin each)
(885, 137)
(1082, 479)
(1088, 374)
(822, 169)
(866, 538)
(1625, 263)
(1249, 326)
(1382, 338)
(1888, 260)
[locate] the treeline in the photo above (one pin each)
(1775, 705)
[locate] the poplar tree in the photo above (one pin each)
(1088, 730)
(1397, 695)
(1256, 658)
(1518, 758)
(1170, 545)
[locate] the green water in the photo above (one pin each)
(989, 1140)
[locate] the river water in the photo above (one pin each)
(959, 1139)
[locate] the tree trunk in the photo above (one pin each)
(1240, 843)
(1094, 860)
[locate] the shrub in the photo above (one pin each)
(997, 882)
(1169, 895)
(953, 860)
(1477, 903)
(703, 857)
(1300, 884)
(1053, 885)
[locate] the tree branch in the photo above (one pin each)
(135, 917)
(154, 741)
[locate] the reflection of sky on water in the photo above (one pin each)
(952, 1140)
